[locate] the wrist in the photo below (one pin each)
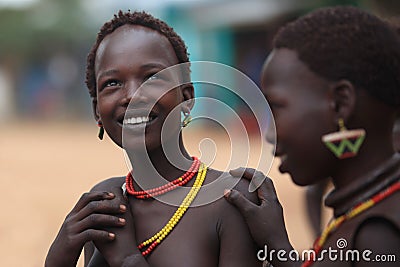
(134, 260)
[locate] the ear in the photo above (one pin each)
(95, 109)
(188, 96)
(344, 99)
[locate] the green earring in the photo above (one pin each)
(344, 143)
(187, 119)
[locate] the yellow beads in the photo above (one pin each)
(160, 235)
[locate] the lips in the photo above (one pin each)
(283, 157)
(137, 117)
(137, 120)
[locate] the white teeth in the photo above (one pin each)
(136, 120)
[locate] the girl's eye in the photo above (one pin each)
(112, 83)
(153, 77)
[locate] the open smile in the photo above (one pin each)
(138, 120)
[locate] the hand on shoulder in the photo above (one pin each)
(264, 217)
(88, 221)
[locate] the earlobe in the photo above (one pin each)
(188, 96)
(344, 98)
(95, 109)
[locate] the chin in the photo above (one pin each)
(301, 179)
(140, 146)
(299, 182)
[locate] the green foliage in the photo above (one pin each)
(45, 27)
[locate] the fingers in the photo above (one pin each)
(255, 177)
(112, 206)
(97, 221)
(246, 173)
(240, 201)
(266, 191)
(86, 198)
(94, 235)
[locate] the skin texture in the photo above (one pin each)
(211, 235)
(290, 87)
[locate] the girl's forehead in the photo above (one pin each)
(135, 40)
(134, 35)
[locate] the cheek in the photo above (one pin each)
(170, 101)
(302, 126)
(105, 104)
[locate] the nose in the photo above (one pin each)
(270, 135)
(133, 92)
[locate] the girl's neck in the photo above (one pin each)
(374, 152)
(375, 177)
(168, 161)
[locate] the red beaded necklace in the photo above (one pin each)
(350, 214)
(182, 180)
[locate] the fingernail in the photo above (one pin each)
(111, 235)
(111, 194)
(122, 207)
(121, 220)
(227, 192)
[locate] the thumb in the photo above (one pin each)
(236, 198)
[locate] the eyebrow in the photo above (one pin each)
(107, 73)
(153, 65)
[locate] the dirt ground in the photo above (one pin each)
(45, 167)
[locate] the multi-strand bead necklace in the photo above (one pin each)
(147, 246)
(356, 210)
(149, 193)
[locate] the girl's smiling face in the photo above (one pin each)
(125, 60)
(301, 103)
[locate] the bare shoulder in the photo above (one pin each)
(237, 248)
(243, 187)
(108, 184)
(379, 236)
(223, 180)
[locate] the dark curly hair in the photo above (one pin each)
(348, 43)
(133, 18)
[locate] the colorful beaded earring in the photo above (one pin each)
(101, 130)
(186, 118)
(344, 143)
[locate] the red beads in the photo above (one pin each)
(184, 179)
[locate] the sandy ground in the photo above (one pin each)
(45, 167)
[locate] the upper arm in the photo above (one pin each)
(237, 248)
(95, 259)
(91, 254)
(88, 252)
(382, 238)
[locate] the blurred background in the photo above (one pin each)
(49, 151)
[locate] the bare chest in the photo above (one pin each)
(193, 241)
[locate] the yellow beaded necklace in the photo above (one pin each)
(349, 215)
(156, 239)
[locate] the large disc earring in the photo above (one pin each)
(344, 143)
(101, 130)
(186, 119)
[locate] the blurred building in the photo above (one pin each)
(44, 44)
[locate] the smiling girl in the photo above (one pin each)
(139, 106)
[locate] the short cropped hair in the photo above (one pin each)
(348, 43)
(133, 18)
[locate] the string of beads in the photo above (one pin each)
(147, 246)
(356, 210)
(150, 244)
(182, 180)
